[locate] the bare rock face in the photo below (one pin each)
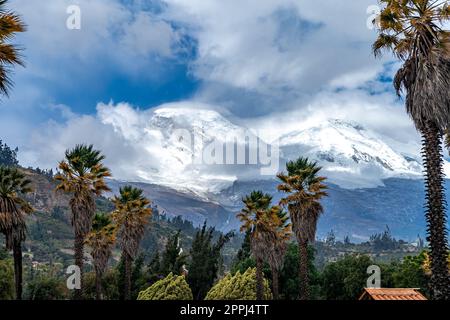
(44, 198)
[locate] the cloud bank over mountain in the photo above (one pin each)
(147, 146)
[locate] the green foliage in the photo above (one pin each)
(6, 279)
(384, 241)
(46, 287)
(3, 254)
(346, 278)
(243, 265)
(171, 287)
(205, 260)
(138, 280)
(407, 274)
(8, 156)
(172, 261)
(110, 287)
(244, 253)
(289, 289)
(238, 287)
(154, 266)
(138, 277)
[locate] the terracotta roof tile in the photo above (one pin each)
(393, 294)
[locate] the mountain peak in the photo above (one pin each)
(348, 151)
(346, 124)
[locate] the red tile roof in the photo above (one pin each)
(392, 294)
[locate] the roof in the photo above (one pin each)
(392, 294)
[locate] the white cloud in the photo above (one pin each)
(110, 30)
(266, 45)
(381, 113)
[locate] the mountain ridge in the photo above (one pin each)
(352, 155)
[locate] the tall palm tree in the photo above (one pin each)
(131, 215)
(10, 24)
(101, 239)
(82, 174)
(305, 189)
(258, 217)
(413, 30)
(13, 210)
(277, 246)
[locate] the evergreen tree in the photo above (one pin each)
(331, 238)
(137, 277)
(205, 260)
(347, 240)
(154, 266)
(289, 289)
(8, 156)
(346, 278)
(245, 250)
(173, 258)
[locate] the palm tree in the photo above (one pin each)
(13, 210)
(131, 215)
(305, 189)
(258, 217)
(413, 30)
(10, 23)
(101, 239)
(82, 174)
(277, 245)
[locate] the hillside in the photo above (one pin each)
(50, 236)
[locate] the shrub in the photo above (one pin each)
(45, 287)
(238, 287)
(171, 287)
(6, 280)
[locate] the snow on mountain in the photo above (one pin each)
(175, 140)
(369, 174)
(351, 155)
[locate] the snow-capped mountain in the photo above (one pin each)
(188, 147)
(351, 155)
(173, 142)
(372, 179)
(185, 135)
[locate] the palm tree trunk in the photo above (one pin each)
(435, 211)
(79, 259)
(303, 270)
(17, 253)
(98, 285)
(275, 284)
(127, 287)
(259, 280)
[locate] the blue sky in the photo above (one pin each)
(254, 60)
